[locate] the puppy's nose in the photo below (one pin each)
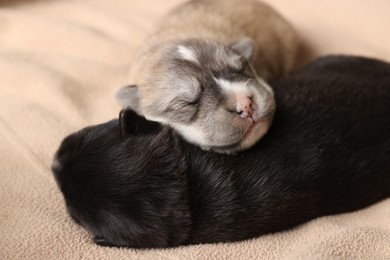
(244, 107)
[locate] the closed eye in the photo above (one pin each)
(182, 104)
(192, 103)
(231, 110)
(183, 111)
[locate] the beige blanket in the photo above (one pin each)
(60, 64)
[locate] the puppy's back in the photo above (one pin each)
(276, 41)
(226, 21)
(335, 114)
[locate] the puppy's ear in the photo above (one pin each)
(245, 47)
(128, 97)
(130, 123)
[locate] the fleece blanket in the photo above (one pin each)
(61, 62)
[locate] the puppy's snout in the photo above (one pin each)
(68, 148)
(244, 107)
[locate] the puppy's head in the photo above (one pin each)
(125, 183)
(206, 91)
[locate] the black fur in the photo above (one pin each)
(327, 152)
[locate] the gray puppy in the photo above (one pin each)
(204, 72)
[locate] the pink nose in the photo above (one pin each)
(244, 107)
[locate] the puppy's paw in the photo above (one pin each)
(101, 241)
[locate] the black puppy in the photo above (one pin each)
(327, 152)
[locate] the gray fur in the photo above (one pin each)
(191, 98)
(179, 70)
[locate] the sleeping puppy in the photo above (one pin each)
(137, 183)
(204, 69)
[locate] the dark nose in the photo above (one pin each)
(244, 107)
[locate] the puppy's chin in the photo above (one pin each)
(254, 133)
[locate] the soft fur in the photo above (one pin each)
(138, 184)
(177, 77)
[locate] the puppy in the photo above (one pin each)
(203, 72)
(138, 184)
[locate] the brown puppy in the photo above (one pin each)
(203, 72)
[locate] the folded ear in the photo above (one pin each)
(245, 47)
(131, 123)
(128, 97)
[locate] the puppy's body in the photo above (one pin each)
(327, 152)
(203, 70)
(226, 21)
